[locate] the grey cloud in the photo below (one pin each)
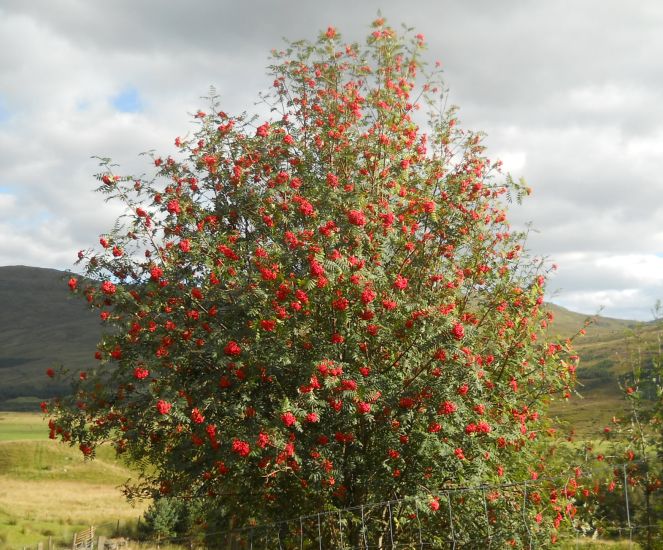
(572, 89)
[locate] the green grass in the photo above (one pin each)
(48, 489)
(22, 426)
(589, 544)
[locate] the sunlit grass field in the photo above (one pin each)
(48, 490)
(22, 426)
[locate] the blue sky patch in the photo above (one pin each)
(82, 105)
(128, 101)
(4, 110)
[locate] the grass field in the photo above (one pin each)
(48, 490)
(588, 544)
(22, 426)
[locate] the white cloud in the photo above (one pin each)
(606, 97)
(512, 161)
(625, 285)
(569, 94)
(593, 301)
(7, 204)
(643, 269)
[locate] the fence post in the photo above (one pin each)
(451, 519)
(391, 525)
(628, 510)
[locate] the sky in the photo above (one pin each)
(569, 92)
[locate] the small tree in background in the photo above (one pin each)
(324, 310)
(627, 467)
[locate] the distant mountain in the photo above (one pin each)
(566, 323)
(41, 326)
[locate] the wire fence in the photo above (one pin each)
(626, 505)
(490, 516)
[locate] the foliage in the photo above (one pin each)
(164, 518)
(325, 309)
(626, 469)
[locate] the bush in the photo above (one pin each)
(162, 518)
(322, 310)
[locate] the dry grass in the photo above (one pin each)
(70, 502)
(31, 511)
(48, 489)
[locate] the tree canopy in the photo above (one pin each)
(323, 308)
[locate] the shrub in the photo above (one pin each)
(324, 309)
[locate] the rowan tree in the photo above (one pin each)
(325, 308)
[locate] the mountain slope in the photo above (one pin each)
(567, 323)
(41, 326)
(608, 351)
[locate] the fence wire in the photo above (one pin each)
(486, 516)
(502, 515)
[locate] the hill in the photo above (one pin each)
(607, 353)
(41, 326)
(567, 323)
